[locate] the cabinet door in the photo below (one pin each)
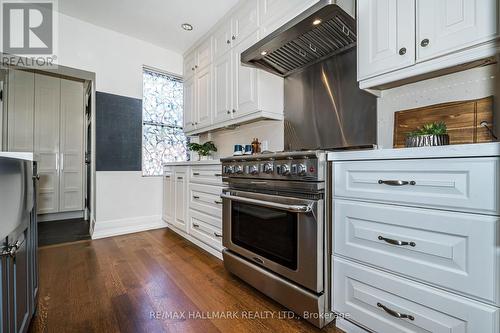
(204, 97)
(21, 94)
(180, 199)
(222, 39)
(386, 36)
(189, 63)
(244, 21)
(47, 124)
(168, 197)
(204, 54)
(71, 146)
(245, 81)
(222, 88)
(446, 26)
(19, 283)
(189, 105)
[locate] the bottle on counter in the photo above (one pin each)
(256, 146)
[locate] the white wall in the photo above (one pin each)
(126, 201)
(269, 130)
(471, 84)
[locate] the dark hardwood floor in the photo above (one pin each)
(64, 231)
(152, 281)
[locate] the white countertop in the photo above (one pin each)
(205, 162)
(452, 151)
(21, 156)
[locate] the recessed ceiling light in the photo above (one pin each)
(317, 21)
(263, 53)
(187, 26)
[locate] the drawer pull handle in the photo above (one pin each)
(196, 173)
(218, 202)
(396, 242)
(196, 225)
(397, 182)
(218, 175)
(180, 178)
(216, 234)
(260, 261)
(196, 197)
(395, 313)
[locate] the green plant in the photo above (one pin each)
(203, 149)
(436, 128)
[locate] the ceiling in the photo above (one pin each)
(154, 21)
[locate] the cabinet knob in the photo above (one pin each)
(424, 42)
(196, 66)
(192, 68)
(234, 111)
(402, 51)
(234, 37)
(228, 111)
(228, 41)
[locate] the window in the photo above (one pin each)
(162, 112)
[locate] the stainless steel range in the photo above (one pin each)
(274, 229)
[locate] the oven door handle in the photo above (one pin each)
(290, 208)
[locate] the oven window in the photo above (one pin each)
(267, 232)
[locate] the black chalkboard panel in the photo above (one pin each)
(118, 133)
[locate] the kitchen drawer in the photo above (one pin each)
(207, 174)
(457, 251)
(206, 199)
(206, 228)
(363, 292)
(459, 184)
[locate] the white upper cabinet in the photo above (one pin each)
(204, 97)
(222, 39)
(204, 54)
(189, 63)
(447, 26)
(244, 21)
(189, 105)
(223, 88)
(399, 40)
(388, 41)
(245, 87)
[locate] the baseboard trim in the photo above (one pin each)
(127, 226)
(196, 242)
(61, 216)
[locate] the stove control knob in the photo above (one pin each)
(284, 170)
(301, 170)
(238, 169)
(268, 168)
(253, 170)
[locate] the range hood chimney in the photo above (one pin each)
(320, 32)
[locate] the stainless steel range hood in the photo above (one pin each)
(320, 32)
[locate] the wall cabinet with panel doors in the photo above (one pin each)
(400, 40)
(59, 130)
(238, 93)
(20, 97)
(46, 116)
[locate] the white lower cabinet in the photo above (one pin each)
(192, 205)
(388, 304)
(416, 244)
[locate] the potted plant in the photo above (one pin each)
(432, 134)
(204, 150)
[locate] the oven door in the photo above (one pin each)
(282, 234)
